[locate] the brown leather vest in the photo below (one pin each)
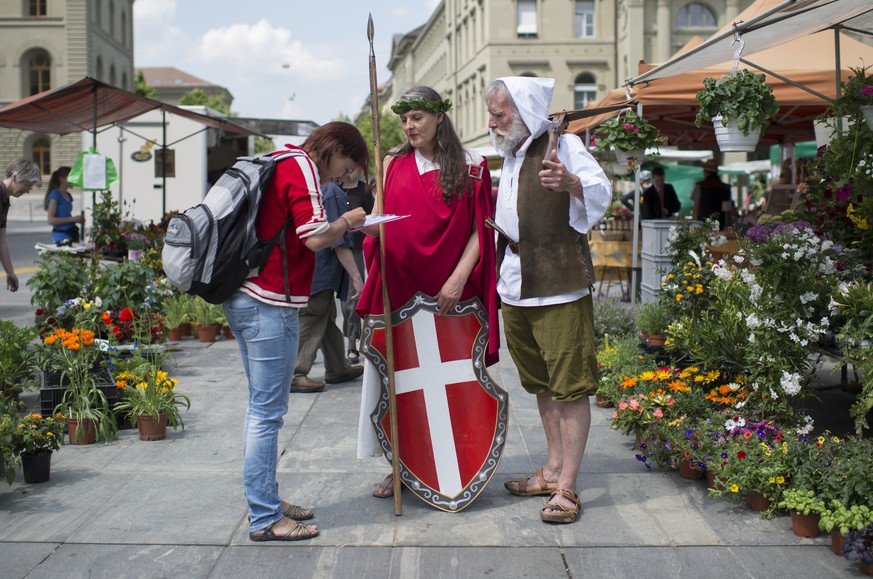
(555, 258)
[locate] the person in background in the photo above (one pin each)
(659, 201)
(360, 194)
(711, 197)
(645, 181)
(21, 176)
(59, 206)
(266, 325)
(334, 269)
(443, 249)
(549, 200)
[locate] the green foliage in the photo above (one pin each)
(9, 412)
(744, 97)
(836, 515)
(390, 131)
(59, 277)
(801, 502)
(855, 327)
(177, 310)
(147, 390)
(857, 92)
(143, 89)
(198, 97)
(626, 132)
(17, 357)
(652, 318)
(106, 223)
(612, 317)
(264, 145)
(38, 434)
(125, 284)
(619, 357)
(205, 314)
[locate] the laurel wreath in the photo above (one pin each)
(421, 104)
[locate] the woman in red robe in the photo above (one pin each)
(443, 248)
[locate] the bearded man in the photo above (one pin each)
(548, 200)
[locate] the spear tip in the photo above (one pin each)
(370, 27)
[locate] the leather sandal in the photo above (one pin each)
(521, 488)
(298, 513)
(385, 489)
(561, 513)
(299, 532)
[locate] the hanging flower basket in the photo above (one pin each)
(731, 139)
(627, 160)
(629, 135)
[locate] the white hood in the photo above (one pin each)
(532, 97)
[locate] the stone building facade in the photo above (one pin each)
(45, 44)
(589, 47)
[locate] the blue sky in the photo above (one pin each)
(287, 59)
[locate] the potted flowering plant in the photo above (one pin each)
(629, 135)
(17, 358)
(806, 509)
(652, 321)
(739, 106)
(36, 438)
(857, 95)
(149, 397)
(858, 546)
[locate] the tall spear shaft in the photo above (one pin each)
(386, 302)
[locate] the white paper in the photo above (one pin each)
(377, 219)
(94, 172)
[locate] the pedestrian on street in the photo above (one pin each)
(266, 325)
(545, 207)
(21, 176)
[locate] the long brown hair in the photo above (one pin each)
(449, 153)
(55, 183)
(337, 137)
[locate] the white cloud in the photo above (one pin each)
(154, 11)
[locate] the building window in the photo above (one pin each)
(98, 13)
(584, 19)
(123, 29)
(695, 15)
(37, 8)
(99, 72)
(39, 73)
(41, 154)
(584, 90)
(527, 18)
(112, 18)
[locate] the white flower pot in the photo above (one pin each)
(731, 139)
(868, 114)
(627, 160)
(827, 130)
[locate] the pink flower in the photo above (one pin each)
(867, 90)
(634, 403)
(658, 413)
(622, 405)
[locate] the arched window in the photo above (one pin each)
(112, 75)
(124, 84)
(41, 154)
(695, 15)
(584, 90)
(112, 18)
(528, 74)
(39, 72)
(37, 8)
(99, 72)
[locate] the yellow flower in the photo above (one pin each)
(699, 289)
(836, 439)
(663, 375)
(669, 276)
(780, 480)
(712, 376)
(735, 488)
(821, 439)
(649, 375)
(860, 223)
(678, 297)
(772, 480)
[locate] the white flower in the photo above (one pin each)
(773, 394)
(734, 422)
(740, 404)
(752, 321)
(827, 244)
(790, 383)
(720, 271)
(807, 426)
(718, 241)
(807, 297)
(733, 386)
(738, 259)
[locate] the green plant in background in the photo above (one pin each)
(836, 515)
(177, 310)
(855, 331)
(205, 314)
(651, 318)
(106, 224)
(618, 358)
(801, 502)
(612, 317)
(9, 412)
(744, 97)
(626, 132)
(58, 278)
(856, 93)
(17, 358)
(125, 284)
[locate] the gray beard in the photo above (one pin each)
(512, 138)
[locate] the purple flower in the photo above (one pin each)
(844, 193)
(867, 90)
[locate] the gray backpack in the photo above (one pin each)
(212, 247)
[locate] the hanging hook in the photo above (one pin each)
(738, 38)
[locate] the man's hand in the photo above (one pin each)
(554, 176)
(355, 217)
(12, 282)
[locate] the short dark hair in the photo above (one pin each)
(658, 170)
(344, 138)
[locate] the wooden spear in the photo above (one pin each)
(386, 302)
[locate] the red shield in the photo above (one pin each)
(451, 415)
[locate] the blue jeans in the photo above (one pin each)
(267, 338)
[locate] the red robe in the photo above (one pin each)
(421, 251)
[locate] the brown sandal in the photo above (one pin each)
(299, 532)
(298, 513)
(385, 489)
(520, 487)
(562, 514)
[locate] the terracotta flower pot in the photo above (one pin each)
(836, 540)
(186, 329)
(656, 340)
(805, 525)
(207, 333)
(866, 568)
(602, 401)
(713, 482)
(757, 501)
(175, 334)
(689, 471)
(37, 468)
(88, 435)
(228, 333)
(151, 429)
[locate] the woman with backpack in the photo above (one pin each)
(265, 323)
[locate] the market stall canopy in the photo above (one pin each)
(670, 103)
(88, 104)
(767, 24)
